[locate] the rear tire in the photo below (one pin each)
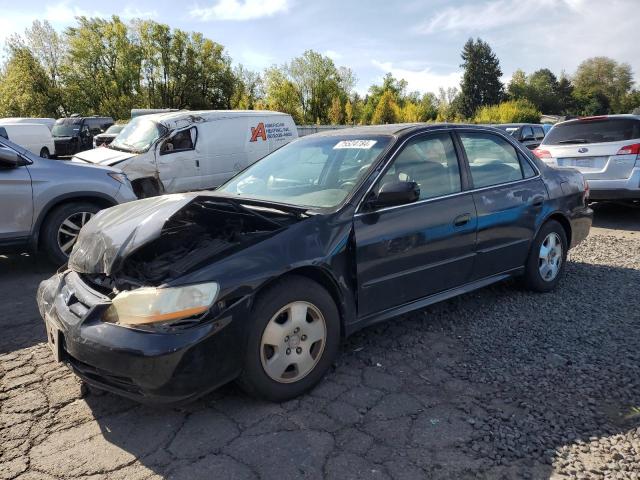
(44, 153)
(59, 229)
(294, 339)
(547, 258)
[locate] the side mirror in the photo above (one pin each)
(396, 193)
(11, 159)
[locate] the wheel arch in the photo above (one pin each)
(562, 220)
(320, 276)
(97, 198)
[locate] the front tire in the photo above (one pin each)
(547, 258)
(294, 338)
(44, 153)
(61, 229)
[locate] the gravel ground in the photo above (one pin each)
(499, 383)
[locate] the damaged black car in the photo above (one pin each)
(167, 298)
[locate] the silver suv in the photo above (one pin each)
(606, 149)
(46, 202)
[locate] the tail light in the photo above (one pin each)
(586, 191)
(538, 152)
(630, 150)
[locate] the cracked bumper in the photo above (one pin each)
(147, 366)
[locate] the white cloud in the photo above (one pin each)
(488, 15)
(64, 13)
(333, 55)
(239, 9)
(130, 13)
(423, 80)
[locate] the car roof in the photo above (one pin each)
(600, 117)
(208, 115)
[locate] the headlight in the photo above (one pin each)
(152, 305)
(118, 177)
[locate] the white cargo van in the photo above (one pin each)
(183, 151)
(35, 137)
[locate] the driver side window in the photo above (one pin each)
(429, 161)
(180, 142)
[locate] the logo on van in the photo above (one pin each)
(583, 150)
(258, 131)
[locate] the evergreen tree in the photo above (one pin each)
(481, 83)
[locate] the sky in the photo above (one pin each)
(419, 41)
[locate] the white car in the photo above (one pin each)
(605, 149)
(187, 150)
(35, 137)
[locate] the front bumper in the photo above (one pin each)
(626, 188)
(147, 366)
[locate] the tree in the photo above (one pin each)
(517, 87)
(543, 91)
(387, 110)
(25, 88)
(510, 111)
(281, 94)
(317, 81)
(335, 111)
(603, 76)
(448, 105)
(348, 113)
(481, 83)
(247, 89)
(566, 101)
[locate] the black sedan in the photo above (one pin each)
(169, 297)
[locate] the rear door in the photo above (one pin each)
(412, 251)
(509, 196)
(16, 214)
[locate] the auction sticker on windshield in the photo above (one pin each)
(363, 144)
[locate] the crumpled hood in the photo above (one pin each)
(116, 232)
(102, 156)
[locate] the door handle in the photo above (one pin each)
(538, 201)
(197, 163)
(461, 220)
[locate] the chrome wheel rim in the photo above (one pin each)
(69, 230)
(292, 342)
(550, 257)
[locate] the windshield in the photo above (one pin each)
(114, 129)
(311, 172)
(594, 131)
(65, 130)
(138, 135)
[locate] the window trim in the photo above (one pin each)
(454, 132)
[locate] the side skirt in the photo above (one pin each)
(430, 300)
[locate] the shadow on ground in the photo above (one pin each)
(617, 216)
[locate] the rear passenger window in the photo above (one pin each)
(527, 169)
(431, 162)
(492, 159)
(539, 132)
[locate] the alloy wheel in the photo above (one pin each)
(293, 341)
(69, 230)
(550, 257)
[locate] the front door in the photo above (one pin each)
(509, 196)
(16, 214)
(179, 163)
(411, 251)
